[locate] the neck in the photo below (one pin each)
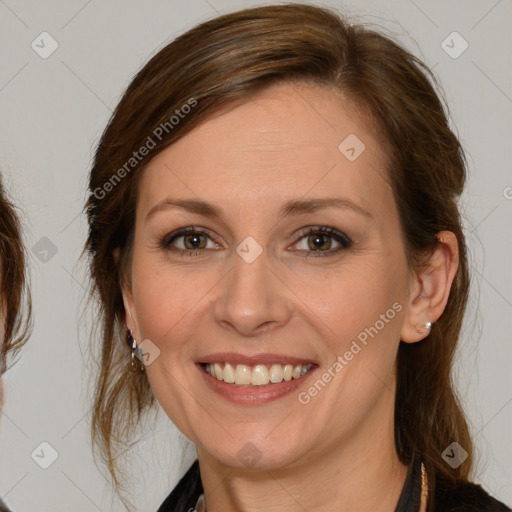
(359, 472)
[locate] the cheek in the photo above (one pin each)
(162, 296)
(364, 309)
(357, 298)
(366, 315)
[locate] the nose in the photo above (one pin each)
(253, 298)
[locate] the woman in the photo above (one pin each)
(15, 317)
(273, 230)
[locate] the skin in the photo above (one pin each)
(337, 452)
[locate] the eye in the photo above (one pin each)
(191, 241)
(318, 241)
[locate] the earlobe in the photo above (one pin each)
(131, 333)
(431, 284)
(128, 307)
(130, 324)
(127, 296)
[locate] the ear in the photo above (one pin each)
(430, 288)
(129, 306)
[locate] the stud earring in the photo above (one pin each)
(420, 329)
(132, 342)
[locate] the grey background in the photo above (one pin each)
(52, 112)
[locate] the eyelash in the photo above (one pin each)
(344, 241)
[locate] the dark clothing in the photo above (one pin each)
(3, 507)
(186, 493)
(465, 497)
(450, 497)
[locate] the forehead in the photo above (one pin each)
(282, 143)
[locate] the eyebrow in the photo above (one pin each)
(289, 208)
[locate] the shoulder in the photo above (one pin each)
(186, 493)
(465, 497)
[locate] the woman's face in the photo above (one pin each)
(250, 285)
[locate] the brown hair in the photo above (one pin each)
(226, 60)
(14, 289)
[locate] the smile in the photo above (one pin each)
(256, 375)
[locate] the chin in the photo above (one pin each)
(250, 449)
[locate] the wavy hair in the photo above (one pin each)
(14, 288)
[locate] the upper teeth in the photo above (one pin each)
(259, 375)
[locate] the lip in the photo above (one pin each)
(262, 358)
(253, 395)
